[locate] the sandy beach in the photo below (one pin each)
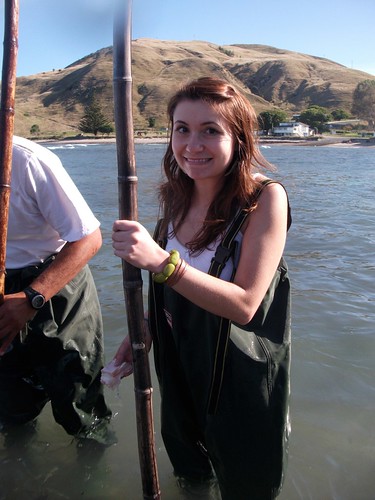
(104, 140)
(324, 141)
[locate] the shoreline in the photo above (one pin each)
(325, 141)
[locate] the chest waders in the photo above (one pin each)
(225, 387)
(59, 360)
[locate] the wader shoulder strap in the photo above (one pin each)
(223, 252)
(228, 243)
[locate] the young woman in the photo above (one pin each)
(219, 301)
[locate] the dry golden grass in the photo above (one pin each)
(270, 77)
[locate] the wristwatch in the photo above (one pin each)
(36, 299)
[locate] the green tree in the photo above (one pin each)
(316, 117)
(340, 114)
(152, 121)
(106, 129)
(364, 101)
(34, 129)
(227, 52)
(93, 120)
(269, 119)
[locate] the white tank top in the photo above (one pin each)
(203, 260)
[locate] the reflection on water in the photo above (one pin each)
(330, 253)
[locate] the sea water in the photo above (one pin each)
(330, 252)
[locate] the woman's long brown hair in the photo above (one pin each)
(239, 187)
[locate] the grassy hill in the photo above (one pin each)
(270, 78)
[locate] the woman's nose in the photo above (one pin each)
(194, 143)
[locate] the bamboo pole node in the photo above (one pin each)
(144, 392)
(138, 346)
(127, 178)
(122, 79)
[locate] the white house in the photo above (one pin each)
(296, 129)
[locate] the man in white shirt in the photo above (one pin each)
(51, 333)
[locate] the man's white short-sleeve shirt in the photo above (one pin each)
(45, 210)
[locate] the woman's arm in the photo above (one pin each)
(262, 247)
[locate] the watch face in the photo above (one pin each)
(38, 301)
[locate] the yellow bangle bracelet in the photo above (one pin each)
(169, 269)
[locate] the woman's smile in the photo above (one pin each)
(197, 161)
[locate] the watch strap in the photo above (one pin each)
(31, 295)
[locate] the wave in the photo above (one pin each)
(70, 146)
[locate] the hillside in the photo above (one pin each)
(270, 77)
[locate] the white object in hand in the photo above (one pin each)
(112, 373)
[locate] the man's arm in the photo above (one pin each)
(17, 311)
(72, 258)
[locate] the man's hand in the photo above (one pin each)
(15, 312)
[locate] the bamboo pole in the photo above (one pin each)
(132, 278)
(8, 90)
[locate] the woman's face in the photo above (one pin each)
(202, 142)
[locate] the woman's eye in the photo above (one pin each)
(181, 129)
(211, 131)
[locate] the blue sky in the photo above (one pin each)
(55, 33)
